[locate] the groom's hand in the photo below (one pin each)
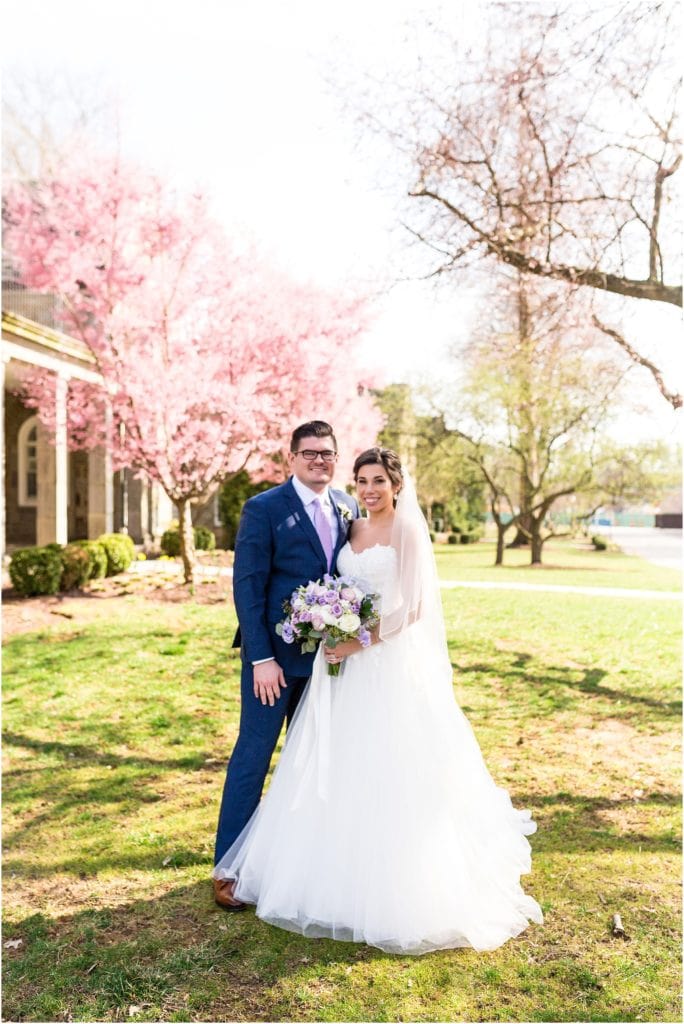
(268, 680)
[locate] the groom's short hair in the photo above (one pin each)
(314, 428)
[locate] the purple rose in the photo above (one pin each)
(364, 638)
(330, 597)
(336, 609)
(288, 633)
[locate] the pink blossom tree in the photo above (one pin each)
(206, 356)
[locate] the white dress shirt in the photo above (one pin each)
(307, 498)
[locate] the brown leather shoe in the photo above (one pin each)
(223, 895)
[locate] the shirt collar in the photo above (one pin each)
(306, 495)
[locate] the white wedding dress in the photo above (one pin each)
(382, 824)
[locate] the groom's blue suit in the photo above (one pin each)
(276, 550)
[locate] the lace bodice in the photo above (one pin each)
(376, 566)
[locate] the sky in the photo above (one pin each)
(236, 97)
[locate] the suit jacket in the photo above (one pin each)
(278, 549)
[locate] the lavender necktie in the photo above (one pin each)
(323, 530)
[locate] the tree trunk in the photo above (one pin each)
(187, 540)
(537, 542)
(500, 543)
(529, 472)
(521, 539)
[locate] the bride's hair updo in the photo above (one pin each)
(384, 457)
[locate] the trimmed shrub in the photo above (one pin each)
(170, 541)
(97, 558)
(75, 567)
(120, 551)
(452, 538)
(36, 570)
(468, 538)
(600, 543)
(205, 540)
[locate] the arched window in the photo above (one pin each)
(27, 446)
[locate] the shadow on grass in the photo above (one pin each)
(174, 956)
(176, 953)
(571, 822)
(56, 798)
(553, 687)
(84, 753)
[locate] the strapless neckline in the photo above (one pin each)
(369, 548)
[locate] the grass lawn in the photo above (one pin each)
(570, 562)
(116, 735)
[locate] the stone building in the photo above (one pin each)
(50, 493)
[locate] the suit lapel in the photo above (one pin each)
(300, 513)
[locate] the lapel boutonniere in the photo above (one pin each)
(345, 512)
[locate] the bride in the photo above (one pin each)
(382, 824)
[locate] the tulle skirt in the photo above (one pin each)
(382, 824)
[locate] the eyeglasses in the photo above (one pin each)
(310, 456)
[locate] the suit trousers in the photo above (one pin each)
(260, 727)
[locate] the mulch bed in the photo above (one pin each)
(107, 597)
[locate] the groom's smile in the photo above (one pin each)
(314, 462)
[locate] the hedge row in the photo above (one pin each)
(461, 536)
(464, 538)
(46, 570)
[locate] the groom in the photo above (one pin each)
(287, 536)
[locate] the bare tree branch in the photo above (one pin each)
(651, 289)
(673, 398)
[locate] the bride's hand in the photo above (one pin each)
(333, 655)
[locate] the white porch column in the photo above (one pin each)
(100, 493)
(61, 461)
(162, 510)
(3, 500)
(53, 467)
(101, 486)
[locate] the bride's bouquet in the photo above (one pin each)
(333, 609)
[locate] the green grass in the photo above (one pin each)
(115, 743)
(570, 562)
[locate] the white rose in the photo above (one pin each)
(327, 616)
(349, 622)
